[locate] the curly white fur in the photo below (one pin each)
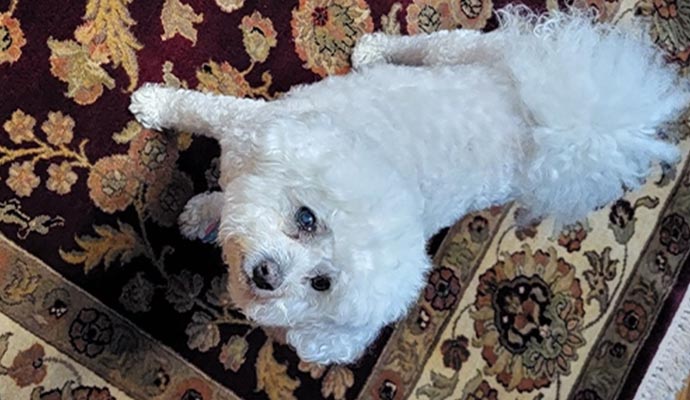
(553, 111)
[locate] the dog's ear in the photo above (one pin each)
(332, 344)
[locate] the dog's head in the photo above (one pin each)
(321, 235)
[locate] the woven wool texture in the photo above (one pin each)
(100, 297)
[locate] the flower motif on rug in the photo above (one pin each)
(59, 132)
(443, 288)
(22, 179)
(28, 367)
(104, 38)
(631, 321)
(258, 36)
(483, 392)
(90, 332)
(20, 127)
(528, 319)
(572, 236)
(622, 219)
(153, 154)
(61, 179)
(112, 183)
(325, 32)
(675, 234)
(58, 128)
(455, 352)
(473, 14)
(137, 294)
(426, 16)
(165, 199)
(11, 36)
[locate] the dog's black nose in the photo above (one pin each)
(267, 275)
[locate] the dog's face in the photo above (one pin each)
(322, 238)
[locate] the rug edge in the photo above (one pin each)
(670, 367)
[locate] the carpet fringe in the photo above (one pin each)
(670, 367)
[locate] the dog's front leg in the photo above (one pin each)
(461, 46)
(201, 216)
(159, 107)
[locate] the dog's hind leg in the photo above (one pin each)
(460, 46)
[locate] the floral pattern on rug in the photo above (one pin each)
(100, 297)
(37, 371)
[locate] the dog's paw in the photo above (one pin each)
(148, 104)
(200, 218)
(370, 49)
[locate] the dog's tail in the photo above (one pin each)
(595, 96)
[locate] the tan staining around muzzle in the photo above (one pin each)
(238, 284)
(233, 252)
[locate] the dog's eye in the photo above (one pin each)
(321, 283)
(306, 220)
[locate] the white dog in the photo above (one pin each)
(330, 192)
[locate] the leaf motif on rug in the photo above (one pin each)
(179, 19)
(104, 38)
(111, 244)
(272, 376)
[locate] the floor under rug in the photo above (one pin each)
(100, 297)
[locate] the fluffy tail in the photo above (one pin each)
(596, 97)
